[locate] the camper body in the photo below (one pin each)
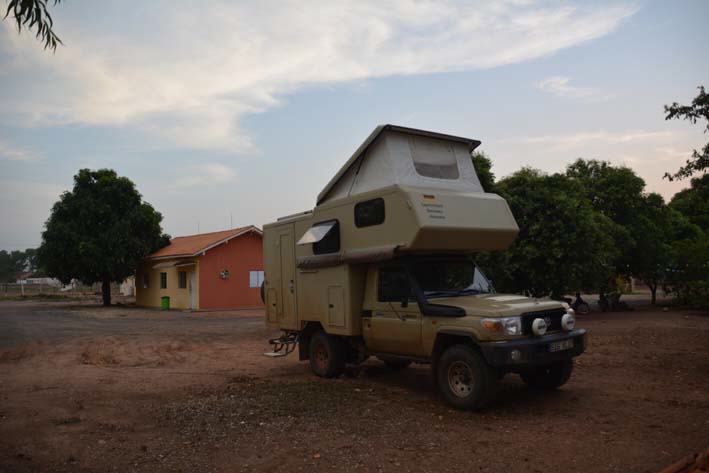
(383, 267)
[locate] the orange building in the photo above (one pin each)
(219, 270)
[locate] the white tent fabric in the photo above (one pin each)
(410, 158)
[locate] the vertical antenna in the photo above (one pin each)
(231, 221)
(197, 227)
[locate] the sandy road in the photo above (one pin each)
(84, 388)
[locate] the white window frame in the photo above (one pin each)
(255, 278)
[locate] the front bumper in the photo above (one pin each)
(532, 351)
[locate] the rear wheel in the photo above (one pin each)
(464, 379)
(549, 376)
(327, 355)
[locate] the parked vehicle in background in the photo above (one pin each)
(383, 267)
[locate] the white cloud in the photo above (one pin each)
(205, 174)
(575, 140)
(189, 74)
(561, 87)
(13, 153)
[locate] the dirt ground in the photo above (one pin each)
(83, 388)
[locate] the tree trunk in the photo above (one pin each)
(106, 292)
(653, 291)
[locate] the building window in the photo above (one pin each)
(163, 280)
(330, 243)
(369, 212)
(255, 278)
(182, 279)
(433, 158)
(146, 280)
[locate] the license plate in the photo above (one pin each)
(561, 346)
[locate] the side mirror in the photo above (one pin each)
(405, 301)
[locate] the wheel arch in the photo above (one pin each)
(447, 338)
(304, 339)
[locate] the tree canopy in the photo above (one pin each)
(563, 245)
(694, 202)
(34, 15)
(483, 168)
(99, 231)
(698, 110)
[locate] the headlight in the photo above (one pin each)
(568, 321)
(539, 327)
(503, 325)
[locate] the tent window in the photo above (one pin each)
(369, 212)
(330, 242)
(433, 158)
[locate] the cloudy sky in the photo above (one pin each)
(225, 112)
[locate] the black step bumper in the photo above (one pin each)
(532, 351)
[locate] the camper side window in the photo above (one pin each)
(393, 285)
(330, 243)
(369, 212)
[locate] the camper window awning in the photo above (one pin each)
(317, 232)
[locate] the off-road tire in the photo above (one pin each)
(396, 365)
(464, 379)
(550, 376)
(327, 355)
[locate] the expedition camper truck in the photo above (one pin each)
(383, 266)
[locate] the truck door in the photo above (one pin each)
(390, 324)
(287, 314)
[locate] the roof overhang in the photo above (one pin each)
(201, 251)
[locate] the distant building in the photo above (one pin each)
(127, 287)
(219, 270)
(26, 278)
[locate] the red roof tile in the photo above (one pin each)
(193, 244)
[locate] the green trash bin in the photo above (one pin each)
(165, 303)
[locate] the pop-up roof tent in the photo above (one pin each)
(409, 157)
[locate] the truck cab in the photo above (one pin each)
(384, 267)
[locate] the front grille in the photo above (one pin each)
(552, 317)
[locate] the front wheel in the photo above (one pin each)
(327, 355)
(464, 379)
(550, 376)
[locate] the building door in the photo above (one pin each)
(193, 290)
(287, 314)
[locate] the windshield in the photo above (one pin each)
(450, 278)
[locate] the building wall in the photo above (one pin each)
(238, 256)
(151, 296)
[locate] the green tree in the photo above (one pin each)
(617, 193)
(690, 276)
(99, 231)
(693, 203)
(8, 266)
(33, 15)
(563, 245)
(483, 168)
(698, 110)
(655, 229)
